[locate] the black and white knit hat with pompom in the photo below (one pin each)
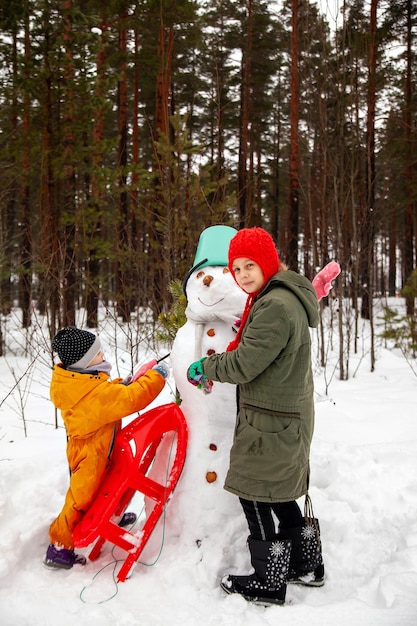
(76, 347)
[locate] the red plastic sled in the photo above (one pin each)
(136, 448)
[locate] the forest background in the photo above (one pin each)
(126, 128)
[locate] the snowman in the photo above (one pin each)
(214, 307)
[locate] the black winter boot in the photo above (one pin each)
(268, 584)
(306, 562)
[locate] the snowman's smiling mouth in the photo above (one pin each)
(213, 304)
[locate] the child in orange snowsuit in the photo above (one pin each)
(91, 407)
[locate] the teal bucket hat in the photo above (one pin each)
(212, 248)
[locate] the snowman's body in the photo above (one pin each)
(215, 303)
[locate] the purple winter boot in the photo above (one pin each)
(62, 558)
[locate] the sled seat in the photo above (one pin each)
(136, 450)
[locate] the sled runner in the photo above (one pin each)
(135, 451)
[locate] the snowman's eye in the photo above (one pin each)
(200, 274)
(225, 270)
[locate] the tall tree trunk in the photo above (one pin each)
(293, 214)
(26, 243)
(409, 209)
(50, 245)
(243, 196)
(392, 255)
(277, 226)
(123, 274)
(368, 226)
(138, 272)
(159, 210)
(69, 192)
(8, 210)
(97, 198)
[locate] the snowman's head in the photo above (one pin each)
(212, 290)
(209, 285)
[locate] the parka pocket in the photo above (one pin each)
(271, 422)
(263, 455)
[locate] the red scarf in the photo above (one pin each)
(236, 341)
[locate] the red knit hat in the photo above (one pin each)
(255, 244)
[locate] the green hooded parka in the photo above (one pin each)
(269, 458)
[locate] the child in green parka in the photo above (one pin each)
(270, 362)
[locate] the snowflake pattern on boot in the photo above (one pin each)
(271, 587)
(277, 549)
(277, 570)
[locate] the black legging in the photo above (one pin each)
(261, 521)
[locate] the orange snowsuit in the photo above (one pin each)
(92, 407)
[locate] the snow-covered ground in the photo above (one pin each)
(364, 492)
